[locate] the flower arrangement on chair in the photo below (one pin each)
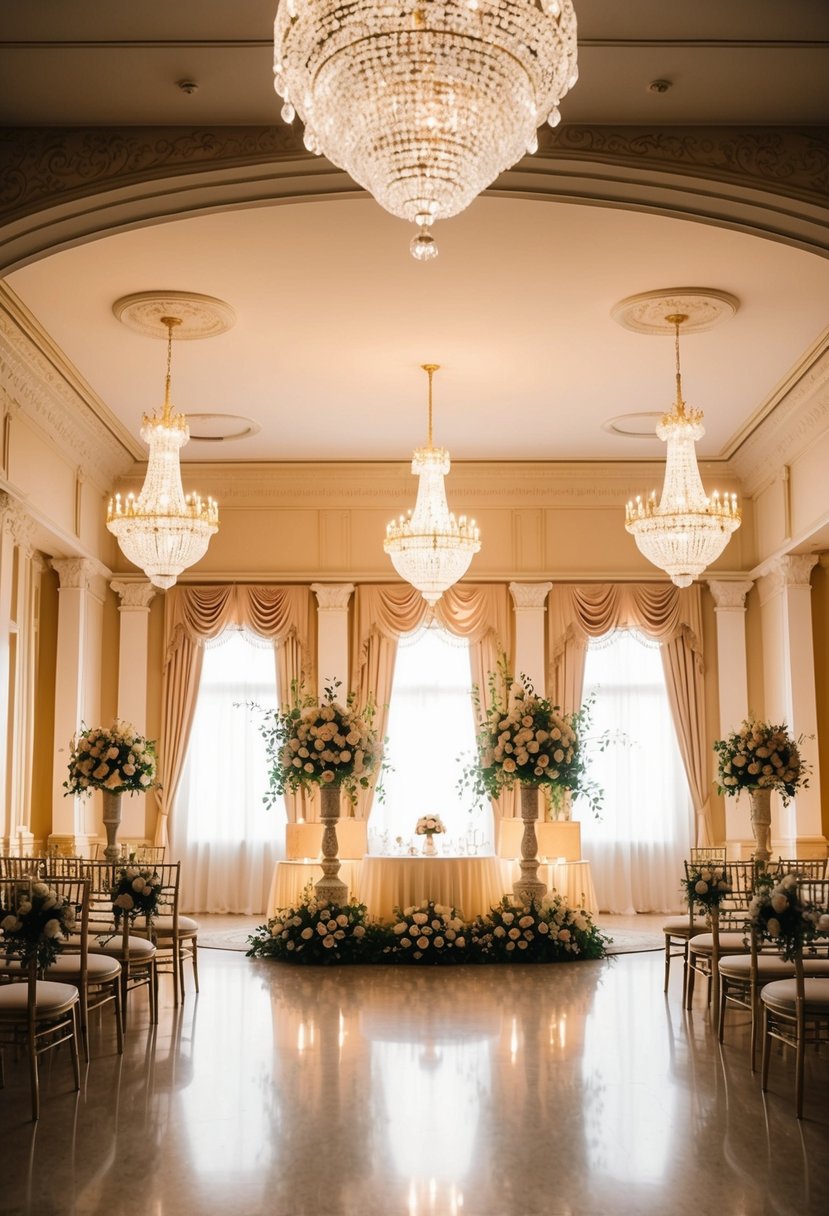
(706, 885)
(115, 759)
(135, 893)
(761, 756)
(779, 913)
(34, 923)
(324, 743)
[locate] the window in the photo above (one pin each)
(431, 724)
(638, 846)
(227, 840)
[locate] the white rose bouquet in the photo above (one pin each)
(34, 923)
(315, 932)
(308, 743)
(529, 741)
(706, 886)
(779, 913)
(429, 825)
(426, 933)
(761, 756)
(548, 932)
(135, 893)
(114, 758)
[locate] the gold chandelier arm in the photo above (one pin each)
(430, 369)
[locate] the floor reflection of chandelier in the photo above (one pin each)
(686, 531)
(430, 548)
(424, 102)
(162, 530)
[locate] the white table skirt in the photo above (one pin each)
(470, 884)
(572, 879)
(291, 877)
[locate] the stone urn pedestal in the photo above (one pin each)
(529, 886)
(330, 888)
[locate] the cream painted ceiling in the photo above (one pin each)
(334, 317)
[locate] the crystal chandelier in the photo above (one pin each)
(429, 548)
(424, 102)
(162, 531)
(687, 530)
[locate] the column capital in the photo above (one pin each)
(75, 573)
(793, 570)
(332, 597)
(16, 522)
(135, 596)
(529, 595)
(731, 595)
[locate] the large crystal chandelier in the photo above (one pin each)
(163, 531)
(429, 548)
(424, 102)
(687, 530)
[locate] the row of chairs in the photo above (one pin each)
(101, 963)
(787, 1001)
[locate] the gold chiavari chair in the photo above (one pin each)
(803, 867)
(42, 1014)
(728, 933)
(175, 936)
(679, 930)
(22, 867)
(796, 1011)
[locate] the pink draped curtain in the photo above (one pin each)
(382, 614)
(194, 615)
(669, 614)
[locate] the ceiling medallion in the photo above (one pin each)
(424, 102)
(647, 313)
(198, 316)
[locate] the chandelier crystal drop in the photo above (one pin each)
(687, 530)
(162, 531)
(429, 547)
(424, 102)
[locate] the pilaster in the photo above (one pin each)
(529, 605)
(332, 633)
(732, 667)
(135, 597)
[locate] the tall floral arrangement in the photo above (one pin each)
(320, 743)
(114, 758)
(525, 739)
(34, 921)
(761, 756)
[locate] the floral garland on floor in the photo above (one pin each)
(34, 923)
(761, 756)
(428, 934)
(319, 743)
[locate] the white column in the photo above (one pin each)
(790, 696)
(77, 690)
(133, 633)
(732, 668)
(530, 604)
(332, 635)
(18, 563)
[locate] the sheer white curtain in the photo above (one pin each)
(226, 840)
(647, 824)
(430, 725)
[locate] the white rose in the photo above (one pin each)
(779, 902)
(400, 927)
(307, 934)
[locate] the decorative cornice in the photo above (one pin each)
(332, 597)
(135, 596)
(793, 416)
(42, 386)
(790, 571)
(729, 596)
(527, 596)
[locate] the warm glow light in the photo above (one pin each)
(429, 548)
(424, 105)
(687, 530)
(162, 531)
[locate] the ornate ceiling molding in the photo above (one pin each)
(42, 386)
(65, 185)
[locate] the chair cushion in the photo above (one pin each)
(730, 943)
(186, 926)
(140, 949)
(679, 928)
(770, 967)
(780, 996)
(100, 968)
(52, 999)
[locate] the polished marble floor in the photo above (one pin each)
(572, 1090)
